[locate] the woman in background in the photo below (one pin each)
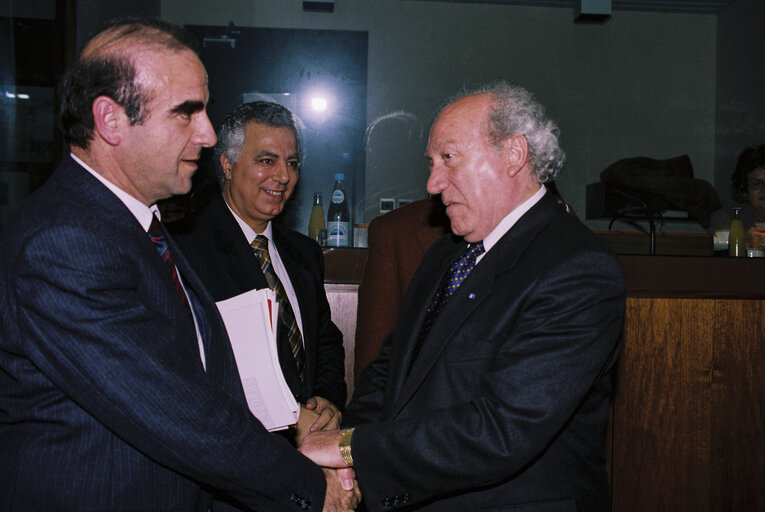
(748, 182)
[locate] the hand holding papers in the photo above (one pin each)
(251, 320)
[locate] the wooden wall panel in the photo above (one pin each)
(689, 406)
(738, 420)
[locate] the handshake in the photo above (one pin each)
(318, 437)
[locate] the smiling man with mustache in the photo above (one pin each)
(258, 160)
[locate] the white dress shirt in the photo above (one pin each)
(509, 221)
(144, 215)
(276, 261)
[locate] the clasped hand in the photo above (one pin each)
(319, 417)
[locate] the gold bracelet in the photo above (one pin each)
(345, 446)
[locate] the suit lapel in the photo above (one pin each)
(476, 288)
(219, 357)
(241, 264)
(413, 311)
(110, 210)
(197, 298)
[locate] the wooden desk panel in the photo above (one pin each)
(689, 410)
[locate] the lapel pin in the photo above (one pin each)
(471, 296)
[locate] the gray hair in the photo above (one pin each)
(515, 112)
(231, 135)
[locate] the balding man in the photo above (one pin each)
(492, 392)
(118, 387)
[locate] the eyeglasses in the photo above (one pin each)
(757, 185)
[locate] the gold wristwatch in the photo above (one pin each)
(345, 446)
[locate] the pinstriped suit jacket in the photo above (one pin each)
(104, 404)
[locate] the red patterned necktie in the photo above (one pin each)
(452, 280)
(288, 331)
(159, 237)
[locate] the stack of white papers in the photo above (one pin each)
(251, 319)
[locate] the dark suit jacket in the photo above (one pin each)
(104, 403)
(213, 242)
(397, 242)
(506, 405)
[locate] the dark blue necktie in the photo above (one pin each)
(452, 280)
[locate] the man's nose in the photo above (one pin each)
(205, 134)
(281, 172)
(436, 182)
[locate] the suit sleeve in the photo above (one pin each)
(98, 330)
(526, 384)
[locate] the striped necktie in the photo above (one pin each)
(159, 238)
(288, 331)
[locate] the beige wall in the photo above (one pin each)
(641, 84)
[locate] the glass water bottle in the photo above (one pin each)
(338, 216)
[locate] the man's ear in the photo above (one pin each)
(516, 151)
(225, 163)
(108, 119)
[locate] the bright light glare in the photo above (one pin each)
(19, 96)
(319, 104)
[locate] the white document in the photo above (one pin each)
(251, 319)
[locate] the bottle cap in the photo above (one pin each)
(339, 176)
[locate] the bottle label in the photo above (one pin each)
(338, 196)
(338, 234)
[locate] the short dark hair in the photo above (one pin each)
(231, 133)
(104, 68)
(749, 160)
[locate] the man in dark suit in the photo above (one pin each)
(499, 402)
(118, 386)
(258, 157)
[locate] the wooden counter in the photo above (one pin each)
(688, 424)
(687, 431)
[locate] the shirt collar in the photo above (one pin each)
(250, 233)
(511, 218)
(140, 211)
